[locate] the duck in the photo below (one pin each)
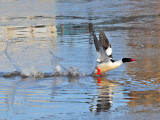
(105, 60)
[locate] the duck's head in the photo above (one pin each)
(124, 60)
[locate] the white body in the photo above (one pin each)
(104, 52)
(104, 67)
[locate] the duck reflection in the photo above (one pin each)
(105, 94)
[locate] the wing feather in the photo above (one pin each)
(102, 56)
(105, 43)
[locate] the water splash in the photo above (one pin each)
(57, 68)
(60, 70)
(8, 43)
(25, 66)
(36, 73)
(73, 72)
(32, 72)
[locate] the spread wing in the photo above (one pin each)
(102, 56)
(105, 43)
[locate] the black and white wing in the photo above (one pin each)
(105, 43)
(102, 56)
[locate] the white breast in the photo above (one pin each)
(104, 67)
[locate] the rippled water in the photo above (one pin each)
(47, 56)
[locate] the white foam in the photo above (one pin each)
(32, 72)
(73, 72)
(36, 73)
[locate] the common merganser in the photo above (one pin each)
(104, 52)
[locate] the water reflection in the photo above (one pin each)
(144, 98)
(144, 45)
(28, 93)
(104, 100)
(39, 31)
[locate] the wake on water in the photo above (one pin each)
(25, 66)
(36, 73)
(24, 70)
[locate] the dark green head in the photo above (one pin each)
(124, 60)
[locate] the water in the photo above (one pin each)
(47, 56)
